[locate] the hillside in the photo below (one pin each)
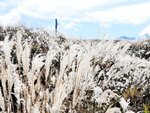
(43, 74)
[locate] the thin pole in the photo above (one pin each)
(56, 26)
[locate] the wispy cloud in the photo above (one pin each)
(69, 25)
(71, 13)
(1, 4)
(60, 8)
(11, 18)
(132, 14)
(67, 10)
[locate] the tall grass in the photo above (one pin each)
(41, 74)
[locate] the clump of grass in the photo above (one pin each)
(146, 108)
(134, 95)
(131, 93)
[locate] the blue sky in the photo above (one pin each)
(81, 18)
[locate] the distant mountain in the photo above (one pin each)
(126, 38)
(146, 36)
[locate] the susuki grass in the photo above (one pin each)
(43, 74)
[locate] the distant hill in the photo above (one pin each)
(126, 38)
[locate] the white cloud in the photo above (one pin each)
(145, 31)
(69, 25)
(75, 11)
(1, 4)
(67, 10)
(11, 18)
(132, 14)
(64, 9)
